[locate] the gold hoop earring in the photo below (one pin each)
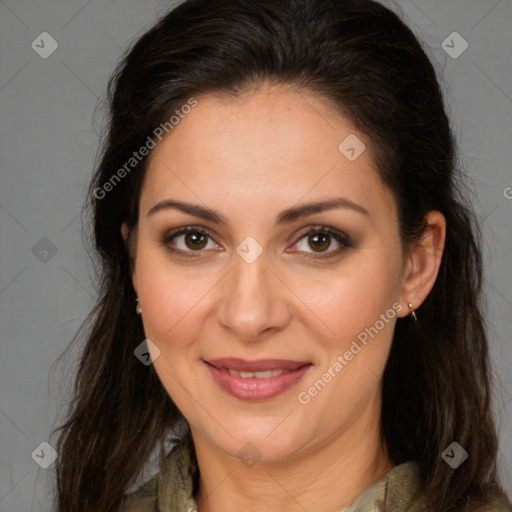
(138, 309)
(413, 313)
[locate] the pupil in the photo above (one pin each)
(316, 238)
(320, 241)
(196, 239)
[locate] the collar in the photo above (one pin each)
(172, 489)
(395, 491)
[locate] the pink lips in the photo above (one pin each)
(273, 376)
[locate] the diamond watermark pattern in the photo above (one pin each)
(249, 250)
(249, 454)
(454, 455)
(45, 455)
(44, 250)
(147, 352)
(454, 45)
(44, 45)
(352, 147)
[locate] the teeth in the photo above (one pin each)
(258, 375)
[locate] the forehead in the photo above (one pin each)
(273, 121)
(273, 142)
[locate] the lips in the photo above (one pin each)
(256, 380)
(261, 365)
(257, 375)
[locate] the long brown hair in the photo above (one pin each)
(362, 58)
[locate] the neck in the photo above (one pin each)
(326, 477)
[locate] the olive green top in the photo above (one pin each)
(171, 490)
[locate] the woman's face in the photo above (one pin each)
(269, 333)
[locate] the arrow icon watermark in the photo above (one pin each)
(44, 250)
(44, 45)
(44, 455)
(454, 455)
(147, 352)
(249, 249)
(351, 147)
(454, 45)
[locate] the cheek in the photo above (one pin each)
(361, 325)
(336, 304)
(356, 305)
(174, 312)
(172, 299)
(347, 380)
(353, 297)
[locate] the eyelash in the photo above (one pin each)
(340, 237)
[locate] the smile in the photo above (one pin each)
(258, 375)
(256, 380)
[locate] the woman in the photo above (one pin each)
(289, 271)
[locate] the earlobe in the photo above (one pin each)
(423, 263)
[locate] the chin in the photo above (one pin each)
(262, 439)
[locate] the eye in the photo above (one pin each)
(193, 239)
(321, 238)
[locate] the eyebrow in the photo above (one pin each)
(285, 217)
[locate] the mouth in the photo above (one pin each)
(256, 380)
(258, 375)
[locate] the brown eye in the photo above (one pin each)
(195, 240)
(319, 240)
(188, 240)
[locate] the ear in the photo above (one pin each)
(130, 242)
(423, 262)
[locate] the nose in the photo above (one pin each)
(254, 302)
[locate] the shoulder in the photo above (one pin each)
(401, 488)
(498, 502)
(171, 487)
(144, 499)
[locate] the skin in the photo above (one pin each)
(249, 158)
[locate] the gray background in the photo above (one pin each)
(49, 139)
